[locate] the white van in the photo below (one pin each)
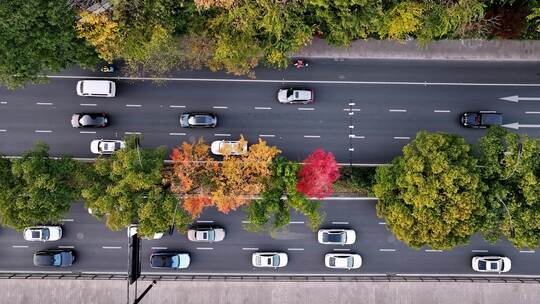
(96, 88)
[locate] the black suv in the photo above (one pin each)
(481, 119)
(54, 257)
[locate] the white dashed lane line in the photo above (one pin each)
(67, 220)
(19, 246)
(132, 133)
(44, 103)
(3, 102)
(267, 135)
(250, 248)
(263, 108)
(441, 111)
(87, 132)
(159, 248)
(532, 112)
(387, 250)
(312, 136)
(3, 130)
(175, 106)
(306, 109)
(401, 137)
(295, 249)
(382, 223)
(479, 250)
(43, 131)
(222, 134)
(204, 221)
(299, 222)
(352, 110)
(111, 247)
(220, 107)
(433, 250)
(527, 251)
(342, 249)
(246, 222)
(356, 136)
(88, 104)
(205, 248)
(177, 134)
(66, 247)
(397, 110)
(340, 223)
(133, 105)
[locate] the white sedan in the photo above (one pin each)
(491, 264)
(43, 233)
(269, 259)
(102, 146)
(343, 260)
(336, 236)
(301, 96)
(210, 234)
(220, 147)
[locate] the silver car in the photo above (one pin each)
(343, 260)
(209, 234)
(491, 264)
(336, 236)
(43, 233)
(269, 259)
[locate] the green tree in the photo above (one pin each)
(432, 195)
(510, 164)
(128, 187)
(36, 189)
(37, 36)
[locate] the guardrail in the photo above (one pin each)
(270, 278)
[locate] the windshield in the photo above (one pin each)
(45, 234)
(57, 259)
(275, 260)
(175, 261)
(211, 235)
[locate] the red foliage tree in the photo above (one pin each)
(318, 174)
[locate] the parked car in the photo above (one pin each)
(481, 119)
(343, 260)
(208, 234)
(219, 147)
(54, 257)
(198, 120)
(491, 264)
(173, 260)
(106, 146)
(269, 259)
(301, 96)
(336, 236)
(43, 233)
(89, 120)
(96, 88)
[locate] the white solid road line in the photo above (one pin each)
(222, 134)
(204, 221)
(220, 107)
(397, 110)
(159, 248)
(412, 83)
(66, 247)
(402, 137)
(267, 135)
(382, 223)
(133, 105)
(479, 250)
(43, 131)
(3, 130)
(295, 249)
(111, 247)
(67, 220)
(532, 112)
(263, 108)
(132, 133)
(20, 246)
(205, 248)
(175, 106)
(527, 251)
(441, 111)
(299, 222)
(88, 104)
(342, 249)
(177, 134)
(387, 250)
(44, 103)
(312, 136)
(340, 223)
(433, 250)
(250, 248)
(306, 109)
(87, 132)
(246, 222)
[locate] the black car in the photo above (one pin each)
(481, 119)
(198, 120)
(89, 120)
(54, 257)
(174, 260)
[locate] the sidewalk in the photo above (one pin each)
(484, 50)
(167, 292)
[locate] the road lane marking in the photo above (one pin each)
(351, 149)
(133, 105)
(356, 136)
(267, 135)
(386, 250)
(340, 223)
(479, 250)
(3, 102)
(220, 107)
(3, 130)
(88, 104)
(43, 131)
(352, 104)
(222, 134)
(312, 136)
(132, 133)
(532, 112)
(295, 249)
(20, 246)
(299, 222)
(263, 108)
(67, 220)
(441, 111)
(250, 248)
(527, 251)
(352, 110)
(306, 109)
(159, 248)
(44, 103)
(351, 127)
(382, 223)
(246, 222)
(204, 221)
(66, 247)
(402, 137)
(342, 249)
(87, 132)
(397, 110)
(177, 134)
(175, 106)
(433, 250)
(111, 247)
(205, 248)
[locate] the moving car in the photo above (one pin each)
(269, 259)
(481, 119)
(208, 234)
(96, 88)
(103, 146)
(173, 260)
(54, 257)
(89, 120)
(198, 120)
(43, 233)
(491, 264)
(336, 236)
(343, 260)
(301, 96)
(232, 147)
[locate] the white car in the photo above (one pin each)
(220, 147)
(336, 236)
(208, 234)
(491, 264)
(269, 259)
(301, 96)
(343, 260)
(43, 233)
(102, 146)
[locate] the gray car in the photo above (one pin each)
(54, 257)
(198, 120)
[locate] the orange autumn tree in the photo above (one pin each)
(240, 178)
(194, 172)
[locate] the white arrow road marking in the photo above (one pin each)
(517, 125)
(516, 98)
